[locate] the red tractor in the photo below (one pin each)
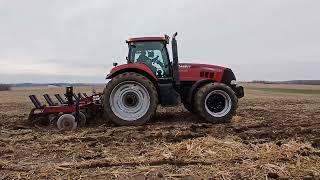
(149, 78)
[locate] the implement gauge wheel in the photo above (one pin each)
(66, 122)
(216, 103)
(82, 119)
(130, 99)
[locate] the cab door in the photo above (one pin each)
(153, 54)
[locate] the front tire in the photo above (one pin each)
(216, 103)
(130, 99)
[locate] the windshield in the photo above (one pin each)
(152, 53)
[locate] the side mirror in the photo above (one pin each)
(115, 64)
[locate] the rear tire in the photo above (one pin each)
(130, 99)
(216, 103)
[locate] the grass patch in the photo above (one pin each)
(286, 90)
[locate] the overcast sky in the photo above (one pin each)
(78, 40)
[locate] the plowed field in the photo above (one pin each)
(274, 135)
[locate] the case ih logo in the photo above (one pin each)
(209, 69)
(184, 66)
(188, 66)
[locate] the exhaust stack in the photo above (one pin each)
(175, 59)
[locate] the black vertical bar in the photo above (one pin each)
(69, 94)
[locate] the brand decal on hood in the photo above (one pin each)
(208, 68)
(188, 66)
(184, 66)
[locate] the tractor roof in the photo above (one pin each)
(139, 39)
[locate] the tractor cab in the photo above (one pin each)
(152, 53)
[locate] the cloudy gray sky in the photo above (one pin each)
(78, 40)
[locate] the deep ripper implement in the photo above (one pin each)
(149, 78)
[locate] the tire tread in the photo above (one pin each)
(199, 100)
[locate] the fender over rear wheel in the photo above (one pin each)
(130, 99)
(216, 103)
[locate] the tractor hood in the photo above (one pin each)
(187, 72)
(186, 66)
(195, 72)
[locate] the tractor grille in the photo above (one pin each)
(206, 74)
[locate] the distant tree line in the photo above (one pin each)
(263, 82)
(304, 82)
(5, 87)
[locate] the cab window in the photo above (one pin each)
(151, 53)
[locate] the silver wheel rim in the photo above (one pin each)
(66, 122)
(218, 103)
(129, 101)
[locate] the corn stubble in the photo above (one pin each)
(272, 136)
